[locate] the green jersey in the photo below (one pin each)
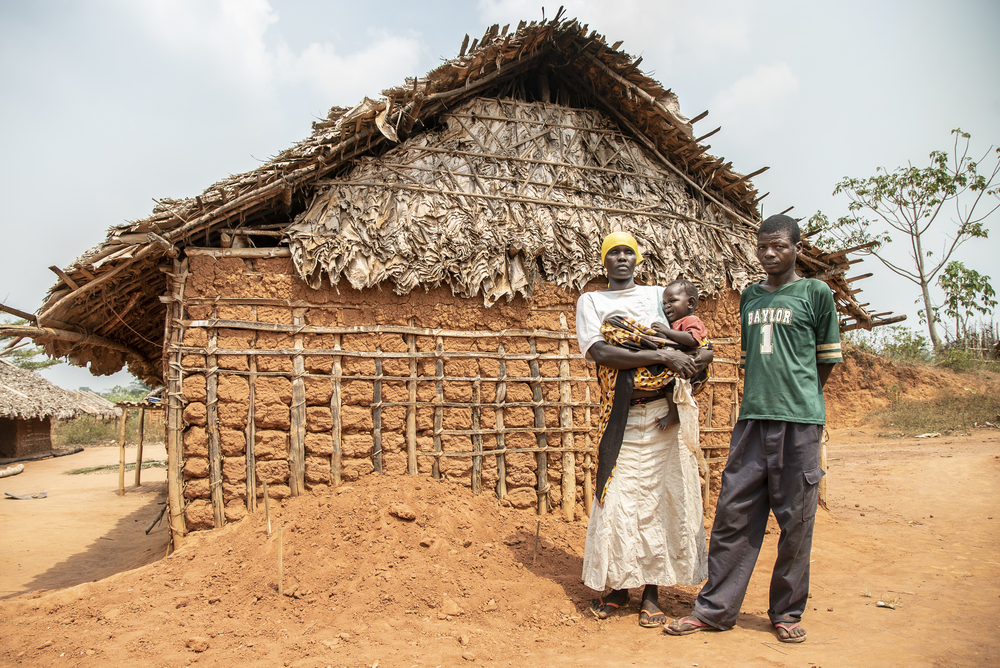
(784, 335)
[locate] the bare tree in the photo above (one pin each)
(903, 206)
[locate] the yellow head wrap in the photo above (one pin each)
(620, 239)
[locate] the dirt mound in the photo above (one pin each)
(866, 383)
(382, 565)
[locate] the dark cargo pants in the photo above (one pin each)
(772, 466)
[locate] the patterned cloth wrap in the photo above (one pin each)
(633, 335)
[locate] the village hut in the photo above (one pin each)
(396, 293)
(29, 403)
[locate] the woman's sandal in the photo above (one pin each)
(651, 620)
(686, 625)
(784, 630)
(602, 609)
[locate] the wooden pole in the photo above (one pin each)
(138, 448)
(122, 422)
(822, 465)
(267, 505)
(477, 439)
(175, 407)
(411, 408)
(281, 564)
(251, 428)
(214, 440)
(439, 400)
(706, 492)
(566, 422)
(297, 434)
(498, 417)
(336, 462)
(541, 459)
(377, 414)
(588, 460)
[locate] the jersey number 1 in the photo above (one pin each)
(766, 344)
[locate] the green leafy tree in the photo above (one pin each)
(134, 391)
(22, 353)
(967, 292)
(909, 206)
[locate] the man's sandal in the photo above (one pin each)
(686, 625)
(785, 629)
(602, 609)
(651, 620)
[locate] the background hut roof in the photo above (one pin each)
(109, 298)
(25, 395)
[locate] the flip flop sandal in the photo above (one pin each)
(602, 609)
(787, 628)
(684, 626)
(646, 619)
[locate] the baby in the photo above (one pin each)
(680, 299)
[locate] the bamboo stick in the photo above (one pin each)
(251, 429)
(566, 422)
(500, 397)
(377, 415)
(122, 422)
(214, 446)
(477, 441)
(297, 434)
(438, 411)
(336, 463)
(138, 449)
(174, 428)
(541, 458)
(411, 408)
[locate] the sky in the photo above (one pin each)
(107, 104)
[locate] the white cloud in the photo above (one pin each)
(752, 102)
(234, 41)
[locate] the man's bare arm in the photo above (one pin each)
(824, 373)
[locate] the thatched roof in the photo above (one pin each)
(424, 187)
(25, 395)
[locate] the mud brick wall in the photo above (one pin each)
(254, 398)
(20, 438)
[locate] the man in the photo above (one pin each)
(790, 341)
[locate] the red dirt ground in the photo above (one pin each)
(915, 522)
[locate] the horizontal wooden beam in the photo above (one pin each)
(64, 335)
(277, 251)
(18, 313)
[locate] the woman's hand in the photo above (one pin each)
(680, 363)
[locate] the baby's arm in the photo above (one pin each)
(685, 339)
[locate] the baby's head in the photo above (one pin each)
(680, 299)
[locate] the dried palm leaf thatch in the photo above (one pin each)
(25, 395)
(505, 193)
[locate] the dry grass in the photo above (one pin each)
(954, 409)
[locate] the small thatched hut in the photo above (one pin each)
(396, 293)
(28, 403)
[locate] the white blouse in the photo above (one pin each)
(644, 303)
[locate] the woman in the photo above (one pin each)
(646, 527)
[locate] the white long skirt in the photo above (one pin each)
(650, 529)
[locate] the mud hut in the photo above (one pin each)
(396, 293)
(29, 403)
